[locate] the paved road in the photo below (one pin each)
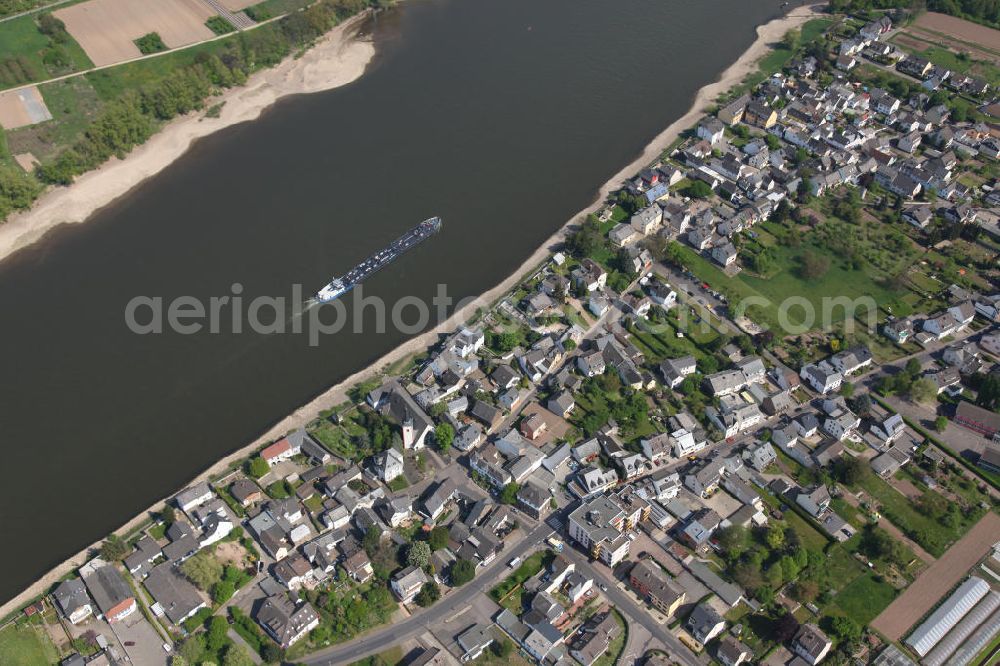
(422, 620)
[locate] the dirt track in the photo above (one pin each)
(896, 620)
(106, 29)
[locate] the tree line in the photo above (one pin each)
(132, 118)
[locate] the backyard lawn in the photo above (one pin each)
(864, 598)
(334, 438)
(528, 568)
(25, 646)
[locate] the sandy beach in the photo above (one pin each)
(287, 77)
(339, 58)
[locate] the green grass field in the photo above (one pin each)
(864, 598)
(26, 646)
(112, 83)
(272, 8)
(20, 38)
(867, 278)
(933, 536)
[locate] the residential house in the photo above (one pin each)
(700, 528)
(600, 525)
(474, 641)
(888, 463)
(594, 637)
(725, 254)
(730, 652)
(674, 370)
(246, 492)
(733, 112)
(109, 590)
(811, 644)
(656, 448)
(822, 377)
(486, 414)
(72, 600)
(712, 130)
(898, 330)
(589, 275)
(561, 404)
(173, 593)
(686, 442)
(946, 379)
(840, 423)
(816, 501)
(389, 465)
(725, 382)
(705, 623)
(193, 497)
(760, 455)
(285, 621)
(704, 480)
(406, 583)
(284, 449)
(940, 326)
(662, 295)
(759, 115)
(591, 365)
(851, 360)
(534, 500)
(654, 586)
(919, 216)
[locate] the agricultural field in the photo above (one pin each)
(107, 29)
(959, 30)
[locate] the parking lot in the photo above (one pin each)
(141, 642)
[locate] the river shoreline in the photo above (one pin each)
(746, 64)
(340, 57)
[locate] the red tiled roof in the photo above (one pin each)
(276, 449)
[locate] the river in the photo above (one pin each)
(502, 116)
